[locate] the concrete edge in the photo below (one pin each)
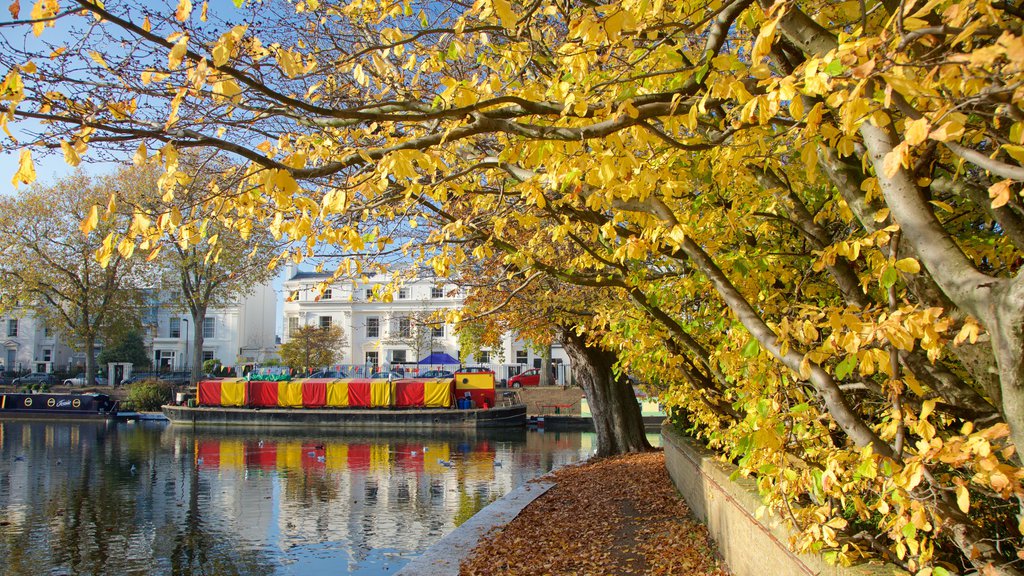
(750, 546)
(444, 557)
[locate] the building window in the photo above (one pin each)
(484, 356)
(371, 360)
(522, 356)
(373, 328)
(12, 327)
(369, 293)
(328, 294)
(398, 357)
(437, 331)
(47, 331)
(325, 322)
(403, 293)
(47, 355)
(207, 355)
(209, 327)
(293, 325)
(437, 292)
(404, 328)
(175, 331)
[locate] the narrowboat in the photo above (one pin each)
(270, 398)
(57, 406)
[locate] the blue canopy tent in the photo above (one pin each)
(439, 358)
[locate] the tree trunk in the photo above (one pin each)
(616, 413)
(198, 319)
(90, 361)
(545, 367)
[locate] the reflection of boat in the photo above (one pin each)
(58, 406)
(269, 399)
(424, 418)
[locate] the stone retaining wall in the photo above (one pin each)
(750, 547)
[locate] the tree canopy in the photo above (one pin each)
(805, 220)
(312, 347)
(49, 268)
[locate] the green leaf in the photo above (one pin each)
(835, 68)
(889, 277)
(750, 349)
(909, 530)
(844, 368)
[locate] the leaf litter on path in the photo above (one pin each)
(610, 516)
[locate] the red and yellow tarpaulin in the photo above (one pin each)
(348, 393)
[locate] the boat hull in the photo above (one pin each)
(423, 419)
(18, 406)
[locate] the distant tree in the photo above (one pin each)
(418, 337)
(129, 347)
(312, 347)
(215, 259)
(49, 267)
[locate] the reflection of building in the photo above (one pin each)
(402, 330)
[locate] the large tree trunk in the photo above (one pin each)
(545, 367)
(90, 361)
(198, 319)
(616, 413)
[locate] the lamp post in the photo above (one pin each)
(185, 362)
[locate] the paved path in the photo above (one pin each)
(443, 558)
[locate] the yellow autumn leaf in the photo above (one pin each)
(126, 248)
(952, 130)
(968, 332)
(140, 156)
(226, 88)
(1000, 193)
(963, 498)
(26, 173)
(98, 58)
(504, 11)
(90, 221)
(183, 11)
(908, 265)
(70, 154)
(916, 131)
(146, 26)
(177, 53)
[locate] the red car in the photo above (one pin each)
(529, 377)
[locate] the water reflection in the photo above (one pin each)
(132, 499)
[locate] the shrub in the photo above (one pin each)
(149, 394)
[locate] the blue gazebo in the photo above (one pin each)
(439, 358)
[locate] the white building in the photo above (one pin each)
(241, 333)
(29, 345)
(403, 331)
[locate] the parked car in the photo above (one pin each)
(328, 374)
(172, 378)
(529, 377)
(387, 375)
(80, 381)
(35, 378)
(474, 369)
(436, 374)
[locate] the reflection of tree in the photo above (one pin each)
(201, 551)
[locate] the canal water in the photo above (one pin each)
(150, 498)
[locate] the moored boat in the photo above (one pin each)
(269, 398)
(57, 406)
(384, 418)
